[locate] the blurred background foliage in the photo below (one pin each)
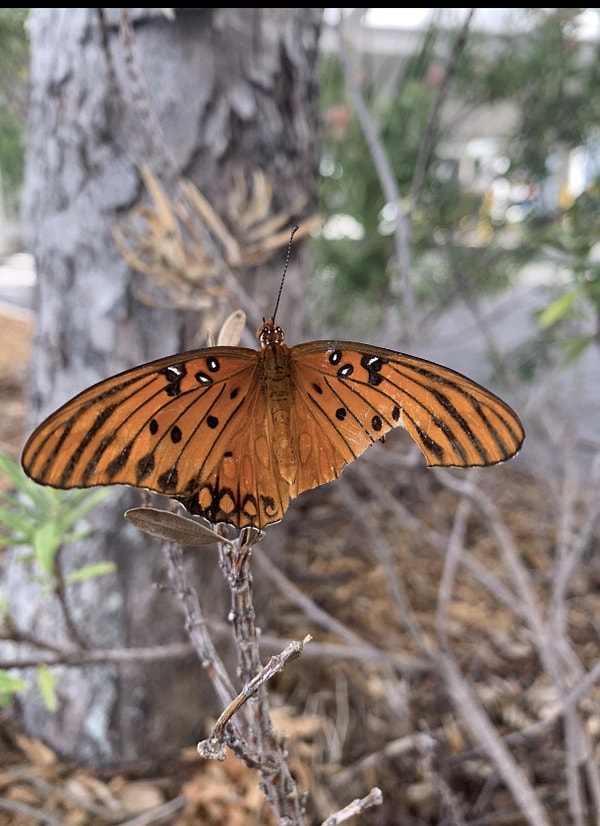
(476, 221)
(14, 66)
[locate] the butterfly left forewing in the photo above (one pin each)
(365, 391)
(194, 426)
(161, 426)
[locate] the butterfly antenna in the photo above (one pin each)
(285, 269)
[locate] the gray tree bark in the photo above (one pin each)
(232, 90)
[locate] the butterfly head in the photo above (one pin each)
(270, 333)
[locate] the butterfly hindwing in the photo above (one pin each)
(245, 487)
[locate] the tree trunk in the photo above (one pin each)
(232, 91)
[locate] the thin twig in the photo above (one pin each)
(360, 652)
(384, 556)
(276, 664)
(374, 798)
(99, 656)
(196, 625)
(32, 812)
(451, 563)
(164, 812)
(261, 738)
(476, 719)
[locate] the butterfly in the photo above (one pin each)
(235, 433)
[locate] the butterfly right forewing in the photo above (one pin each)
(356, 393)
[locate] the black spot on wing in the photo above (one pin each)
(373, 365)
(174, 374)
(144, 467)
(169, 480)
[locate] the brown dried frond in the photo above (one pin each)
(181, 244)
(161, 240)
(249, 209)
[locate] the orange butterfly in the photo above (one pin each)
(235, 433)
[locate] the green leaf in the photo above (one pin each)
(47, 540)
(10, 518)
(41, 498)
(9, 541)
(12, 470)
(559, 308)
(47, 685)
(91, 571)
(574, 348)
(10, 684)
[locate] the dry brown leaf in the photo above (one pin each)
(95, 789)
(75, 817)
(141, 797)
(226, 792)
(294, 725)
(454, 735)
(23, 793)
(170, 239)
(37, 752)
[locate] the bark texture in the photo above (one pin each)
(232, 90)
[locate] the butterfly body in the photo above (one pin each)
(236, 433)
(277, 392)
